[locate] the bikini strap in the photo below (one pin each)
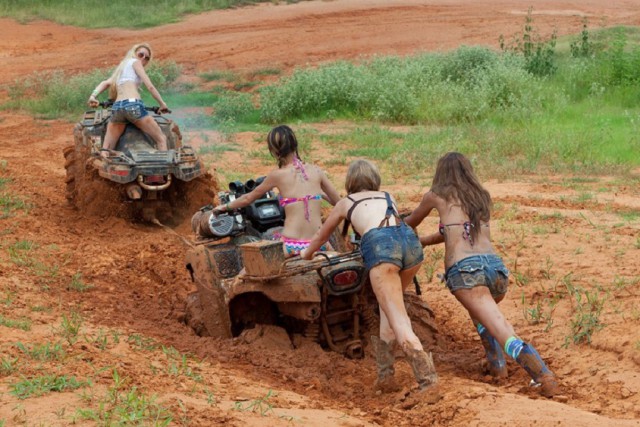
(390, 212)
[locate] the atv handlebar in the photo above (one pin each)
(155, 109)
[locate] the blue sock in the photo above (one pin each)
(492, 348)
(513, 347)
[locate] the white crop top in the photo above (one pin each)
(129, 74)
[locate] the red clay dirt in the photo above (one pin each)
(554, 239)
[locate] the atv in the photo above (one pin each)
(156, 185)
(243, 281)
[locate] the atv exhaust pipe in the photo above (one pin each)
(154, 187)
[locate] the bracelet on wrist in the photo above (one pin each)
(94, 93)
(227, 207)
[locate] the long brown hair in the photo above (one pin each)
(282, 142)
(455, 182)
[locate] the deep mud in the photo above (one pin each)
(552, 239)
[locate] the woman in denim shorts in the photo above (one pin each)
(124, 86)
(475, 275)
(392, 253)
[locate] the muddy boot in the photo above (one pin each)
(385, 382)
(422, 364)
(495, 355)
(531, 361)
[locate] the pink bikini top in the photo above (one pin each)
(284, 201)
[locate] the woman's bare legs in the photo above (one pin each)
(388, 283)
(482, 308)
(149, 126)
(111, 137)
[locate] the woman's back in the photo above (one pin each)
(456, 228)
(368, 209)
(300, 188)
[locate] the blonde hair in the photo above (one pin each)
(362, 175)
(113, 89)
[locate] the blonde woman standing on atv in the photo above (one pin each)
(474, 274)
(302, 187)
(123, 87)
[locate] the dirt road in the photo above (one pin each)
(553, 239)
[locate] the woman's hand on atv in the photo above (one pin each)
(93, 102)
(163, 108)
(306, 254)
(219, 209)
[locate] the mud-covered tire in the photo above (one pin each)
(214, 309)
(84, 188)
(187, 197)
(422, 319)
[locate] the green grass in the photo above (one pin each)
(116, 13)
(24, 324)
(43, 351)
(39, 386)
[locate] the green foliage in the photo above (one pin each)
(70, 327)
(120, 407)
(45, 384)
(261, 405)
(539, 54)
(117, 13)
(587, 308)
(233, 106)
(24, 324)
(8, 365)
(43, 351)
(463, 85)
(583, 47)
(77, 284)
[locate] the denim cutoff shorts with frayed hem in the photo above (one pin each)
(478, 270)
(128, 110)
(397, 245)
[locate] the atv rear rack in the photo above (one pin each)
(296, 265)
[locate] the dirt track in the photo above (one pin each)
(543, 228)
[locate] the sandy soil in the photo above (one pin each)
(556, 241)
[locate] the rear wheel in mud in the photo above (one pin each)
(187, 197)
(422, 319)
(207, 309)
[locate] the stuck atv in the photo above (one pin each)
(152, 184)
(243, 281)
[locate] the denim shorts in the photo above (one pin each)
(397, 245)
(128, 110)
(478, 270)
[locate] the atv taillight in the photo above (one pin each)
(345, 278)
(154, 179)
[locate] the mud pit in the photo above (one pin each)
(139, 284)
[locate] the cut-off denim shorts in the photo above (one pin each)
(128, 110)
(397, 245)
(478, 270)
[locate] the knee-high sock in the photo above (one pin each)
(492, 348)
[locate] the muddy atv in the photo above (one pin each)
(243, 281)
(153, 184)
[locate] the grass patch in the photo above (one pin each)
(39, 386)
(122, 406)
(43, 352)
(77, 284)
(117, 13)
(24, 324)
